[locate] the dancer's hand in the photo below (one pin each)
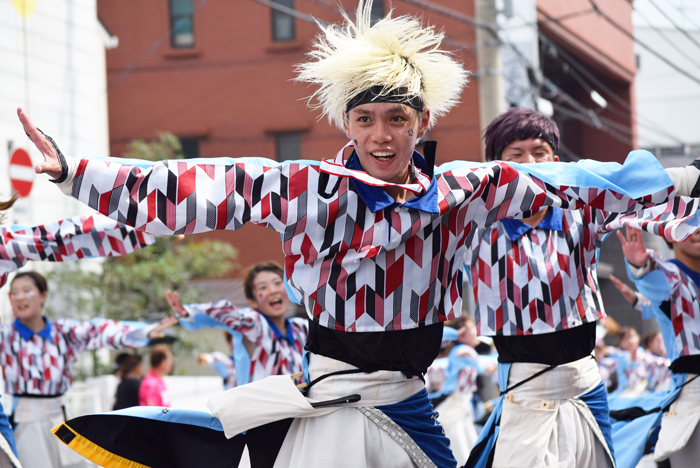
(51, 165)
(175, 304)
(633, 247)
(205, 359)
(167, 322)
(626, 291)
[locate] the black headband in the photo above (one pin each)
(378, 94)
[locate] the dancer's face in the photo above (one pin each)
(691, 246)
(385, 136)
(656, 345)
(630, 341)
(270, 295)
(467, 334)
(27, 301)
(532, 150)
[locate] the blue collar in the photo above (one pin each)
(694, 275)
(277, 332)
(551, 221)
(377, 199)
(26, 333)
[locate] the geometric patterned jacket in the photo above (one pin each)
(358, 264)
(530, 281)
(672, 289)
(40, 363)
(67, 240)
(274, 353)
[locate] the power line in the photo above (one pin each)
(665, 38)
(673, 22)
(687, 18)
(291, 12)
(585, 114)
(564, 17)
(492, 28)
(608, 92)
(583, 118)
(617, 26)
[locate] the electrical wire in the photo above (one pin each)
(650, 125)
(667, 39)
(534, 92)
(155, 46)
(624, 31)
(673, 22)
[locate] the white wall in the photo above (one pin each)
(52, 63)
(667, 102)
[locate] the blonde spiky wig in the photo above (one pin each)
(394, 56)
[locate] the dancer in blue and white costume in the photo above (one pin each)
(451, 383)
(671, 288)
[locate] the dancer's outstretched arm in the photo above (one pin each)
(218, 314)
(196, 196)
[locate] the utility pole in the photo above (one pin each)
(490, 73)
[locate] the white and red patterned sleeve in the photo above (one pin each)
(67, 240)
(190, 196)
(102, 333)
(502, 190)
(674, 220)
(658, 280)
(245, 321)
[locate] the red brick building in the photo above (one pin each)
(219, 74)
(584, 50)
(224, 83)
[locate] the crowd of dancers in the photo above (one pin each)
(378, 241)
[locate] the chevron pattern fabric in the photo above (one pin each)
(41, 364)
(272, 354)
(67, 240)
(683, 302)
(356, 270)
(546, 280)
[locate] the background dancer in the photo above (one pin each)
(638, 371)
(67, 240)
(451, 383)
(36, 356)
(374, 246)
(536, 293)
(273, 343)
(223, 364)
(672, 290)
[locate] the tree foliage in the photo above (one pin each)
(134, 286)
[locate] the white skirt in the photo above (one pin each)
(349, 435)
(7, 456)
(457, 420)
(37, 447)
(679, 438)
(544, 424)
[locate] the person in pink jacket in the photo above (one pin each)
(153, 391)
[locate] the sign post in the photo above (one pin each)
(21, 172)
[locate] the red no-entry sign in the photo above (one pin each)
(21, 172)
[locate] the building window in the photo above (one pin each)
(190, 147)
(377, 10)
(288, 146)
(181, 24)
(283, 23)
